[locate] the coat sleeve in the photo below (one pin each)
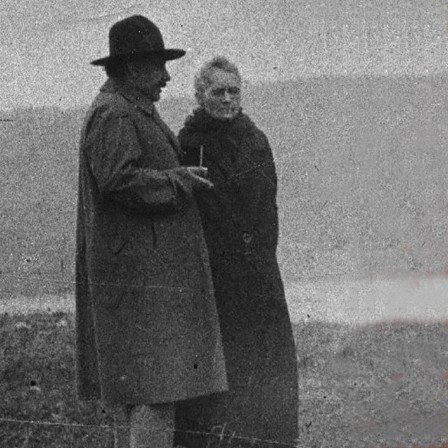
(271, 177)
(115, 159)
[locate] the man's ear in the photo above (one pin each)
(199, 97)
(131, 70)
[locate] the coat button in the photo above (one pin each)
(247, 237)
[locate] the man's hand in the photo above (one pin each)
(199, 178)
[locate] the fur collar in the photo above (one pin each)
(203, 123)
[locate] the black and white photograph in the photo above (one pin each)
(224, 224)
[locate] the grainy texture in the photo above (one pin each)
(240, 222)
(147, 326)
(361, 159)
(362, 180)
(370, 386)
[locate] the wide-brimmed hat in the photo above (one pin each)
(136, 36)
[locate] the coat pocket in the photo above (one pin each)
(117, 243)
(115, 237)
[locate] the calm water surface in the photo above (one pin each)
(355, 301)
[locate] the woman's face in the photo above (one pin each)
(222, 98)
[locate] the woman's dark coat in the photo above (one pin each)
(147, 326)
(241, 228)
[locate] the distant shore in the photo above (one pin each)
(349, 301)
(361, 301)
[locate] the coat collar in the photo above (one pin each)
(201, 121)
(143, 104)
(131, 95)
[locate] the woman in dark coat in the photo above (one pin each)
(241, 228)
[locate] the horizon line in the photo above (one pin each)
(190, 96)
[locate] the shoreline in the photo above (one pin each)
(346, 301)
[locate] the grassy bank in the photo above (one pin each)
(37, 377)
(378, 386)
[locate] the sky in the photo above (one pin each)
(47, 45)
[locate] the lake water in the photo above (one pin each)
(354, 301)
(360, 301)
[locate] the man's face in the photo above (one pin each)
(222, 98)
(149, 77)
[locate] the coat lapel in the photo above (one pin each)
(167, 131)
(148, 108)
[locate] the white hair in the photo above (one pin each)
(202, 79)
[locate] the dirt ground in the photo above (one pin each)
(382, 385)
(373, 385)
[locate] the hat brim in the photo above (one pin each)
(167, 55)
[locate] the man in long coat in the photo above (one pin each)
(147, 327)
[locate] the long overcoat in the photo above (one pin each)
(241, 228)
(147, 325)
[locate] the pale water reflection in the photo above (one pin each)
(25, 305)
(354, 301)
(364, 300)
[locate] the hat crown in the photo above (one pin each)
(135, 34)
